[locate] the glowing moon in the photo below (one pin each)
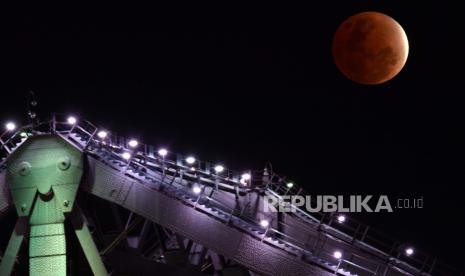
(370, 48)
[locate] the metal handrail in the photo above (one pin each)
(202, 173)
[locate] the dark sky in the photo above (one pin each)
(246, 85)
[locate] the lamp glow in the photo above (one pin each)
(409, 251)
(219, 168)
(337, 254)
(190, 160)
(162, 152)
(102, 134)
(264, 223)
(10, 126)
(290, 185)
(341, 218)
(196, 190)
(72, 120)
(126, 155)
(133, 143)
(246, 177)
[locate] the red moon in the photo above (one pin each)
(370, 48)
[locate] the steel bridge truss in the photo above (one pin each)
(143, 213)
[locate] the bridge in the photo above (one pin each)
(87, 201)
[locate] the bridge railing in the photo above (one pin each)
(184, 173)
(300, 247)
(146, 156)
(373, 239)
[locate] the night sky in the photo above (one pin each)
(249, 85)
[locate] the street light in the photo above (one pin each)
(341, 218)
(337, 254)
(290, 185)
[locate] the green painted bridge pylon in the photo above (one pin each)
(43, 176)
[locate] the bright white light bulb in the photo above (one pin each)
(190, 160)
(219, 168)
(102, 134)
(72, 120)
(246, 177)
(126, 155)
(10, 126)
(341, 218)
(290, 185)
(133, 143)
(196, 190)
(337, 254)
(162, 152)
(409, 251)
(264, 223)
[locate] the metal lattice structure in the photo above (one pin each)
(134, 210)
